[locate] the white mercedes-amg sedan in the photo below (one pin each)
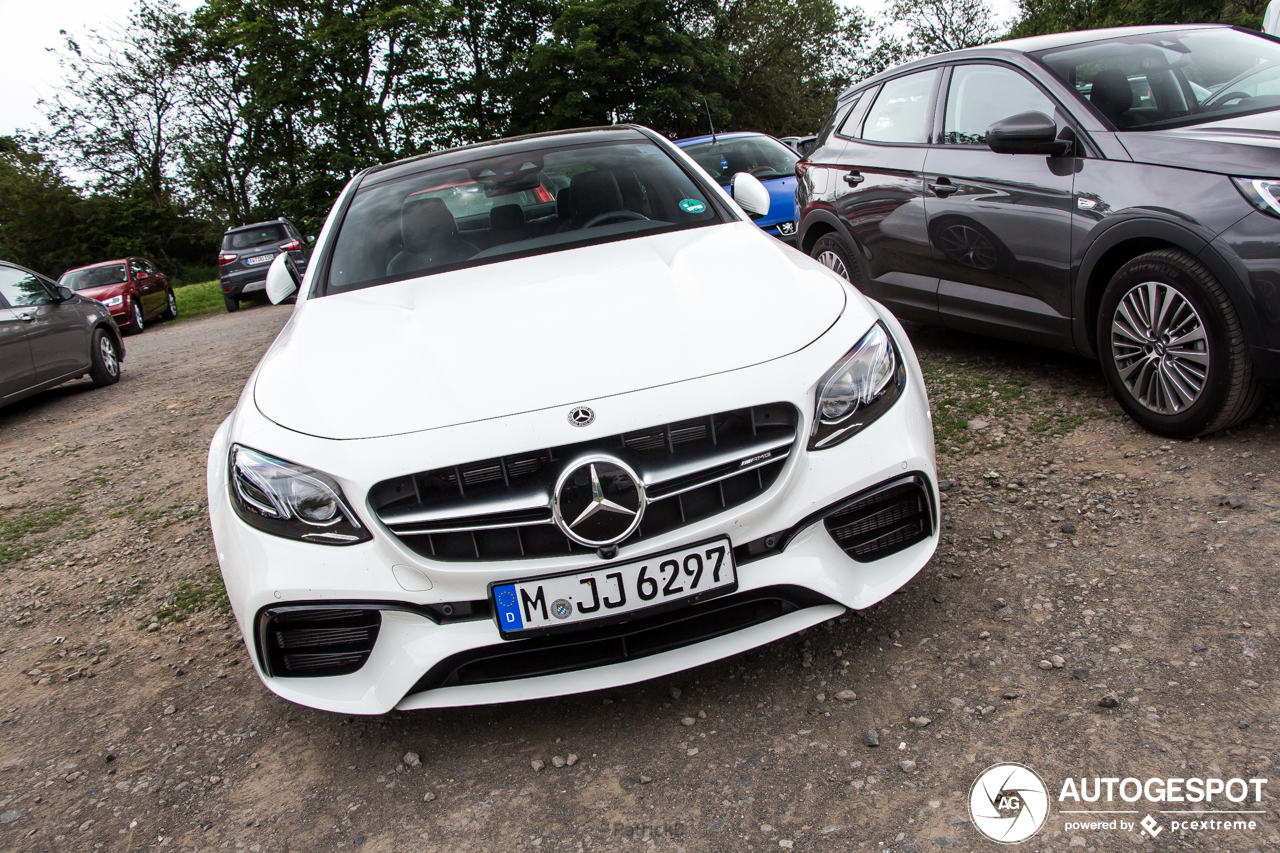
(552, 415)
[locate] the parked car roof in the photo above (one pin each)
(102, 264)
(1032, 44)
(737, 134)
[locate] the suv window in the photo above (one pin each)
(901, 110)
(981, 95)
(21, 288)
(1148, 80)
(258, 235)
(138, 269)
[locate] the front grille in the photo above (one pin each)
(500, 509)
(300, 642)
(632, 640)
(892, 517)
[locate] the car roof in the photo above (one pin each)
(275, 221)
(497, 148)
(103, 264)
(1031, 44)
(737, 134)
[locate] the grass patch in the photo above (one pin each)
(1014, 407)
(20, 522)
(196, 300)
(192, 598)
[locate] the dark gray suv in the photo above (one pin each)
(1114, 193)
(247, 253)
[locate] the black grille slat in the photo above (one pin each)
(884, 522)
(317, 641)
(467, 488)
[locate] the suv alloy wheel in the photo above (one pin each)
(1172, 347)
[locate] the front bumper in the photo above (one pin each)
(263, 571)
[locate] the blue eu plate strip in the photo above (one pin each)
(505, 599)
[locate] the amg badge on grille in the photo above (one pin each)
(581, 416)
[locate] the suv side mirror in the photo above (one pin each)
(283, 279)
(750, 194)
(65, 294)
(311, 239)
(1027, 133)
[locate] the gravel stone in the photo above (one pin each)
(688, 721)
(411, 759)
(1111, 700)
(428, 796)
(871, 738)
(557, 761)
(537, 764)
(907, 766)
(846, 695)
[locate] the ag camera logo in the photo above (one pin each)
(1008, 803)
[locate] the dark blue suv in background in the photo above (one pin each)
(247, 253)
(1114, 193)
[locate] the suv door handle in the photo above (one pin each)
(26, 316)
(853, 178)
(943, 187)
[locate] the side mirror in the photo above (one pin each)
(283, 279)
(311, 239)
(750, 194)
(1027, 133)
(65, 294)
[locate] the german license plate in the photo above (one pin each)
(259, 259)
(540, 604)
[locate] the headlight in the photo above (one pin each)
(858, 389)
(291, 500)
(113, 301)
(1262, 193)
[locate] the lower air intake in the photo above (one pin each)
(884, 521)
(309, 642)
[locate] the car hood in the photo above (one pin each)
(551, 330)
(105, 292)
(1248, 146)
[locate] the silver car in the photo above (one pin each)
(49, 334)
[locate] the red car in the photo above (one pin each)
(132, 289)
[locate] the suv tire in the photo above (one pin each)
(233, 304)
(830, 251)
(104, 361)
(171, 309)
(1172, 347)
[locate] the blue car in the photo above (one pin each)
(727, 154)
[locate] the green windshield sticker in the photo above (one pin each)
(692, 205)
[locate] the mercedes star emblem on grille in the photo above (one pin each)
(598, 501)
(581, 416)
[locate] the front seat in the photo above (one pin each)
(1113, 97)
(591, 194)
(430, 237)
(507, 224)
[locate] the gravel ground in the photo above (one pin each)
(1081, 559)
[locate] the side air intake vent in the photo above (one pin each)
(884, 521)
(314, 641)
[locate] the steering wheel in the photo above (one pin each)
(761, 170)
(1233, 96)
(612, 215)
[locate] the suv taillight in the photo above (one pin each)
(223, 260)
(802, 167)
(291, 246)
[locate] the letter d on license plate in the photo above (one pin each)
(674, 579)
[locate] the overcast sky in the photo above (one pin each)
(29, 72)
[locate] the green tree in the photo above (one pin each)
(647, 61)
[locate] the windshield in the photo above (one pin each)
(1152, 80)
(96, 277)
(762, 156)
(525, 203)
(256, 236)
